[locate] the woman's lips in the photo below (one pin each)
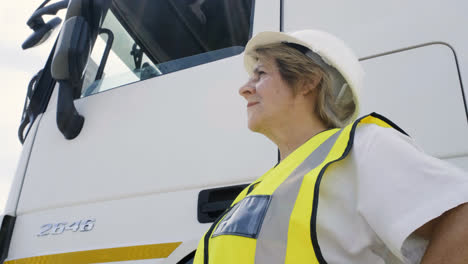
(251, 104)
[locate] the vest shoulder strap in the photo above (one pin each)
(373, 118)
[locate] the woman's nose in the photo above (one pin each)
(247, 89)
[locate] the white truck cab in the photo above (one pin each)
(135, 137)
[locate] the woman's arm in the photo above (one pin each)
(448, 237)
(401, 188)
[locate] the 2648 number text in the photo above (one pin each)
(60, 228)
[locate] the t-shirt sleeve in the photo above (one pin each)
(400, 188)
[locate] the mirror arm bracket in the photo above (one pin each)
(69, 121)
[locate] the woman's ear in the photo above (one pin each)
(310, 86)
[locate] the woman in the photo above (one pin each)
(344, 191)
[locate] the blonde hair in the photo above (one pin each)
(335, 106)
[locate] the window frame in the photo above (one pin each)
(175, 64)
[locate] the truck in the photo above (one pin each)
(134, 135)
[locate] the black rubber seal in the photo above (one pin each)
(6, 231)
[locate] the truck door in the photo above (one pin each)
(163, 121)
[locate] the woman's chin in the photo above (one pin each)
(255, 126)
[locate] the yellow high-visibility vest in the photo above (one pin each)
(274, 219)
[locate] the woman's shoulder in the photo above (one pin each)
(371, 136)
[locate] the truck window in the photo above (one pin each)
(152, 38)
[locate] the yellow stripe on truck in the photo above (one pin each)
(103, 255)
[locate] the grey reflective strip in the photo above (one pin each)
(273, 237)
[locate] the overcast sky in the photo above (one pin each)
(16, 69)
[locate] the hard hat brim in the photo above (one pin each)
(265, 38)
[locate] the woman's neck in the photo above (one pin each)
(291, 135)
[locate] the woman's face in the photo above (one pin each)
(270, 100)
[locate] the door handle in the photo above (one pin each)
(213, 202)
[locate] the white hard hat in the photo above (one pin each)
(331, 50)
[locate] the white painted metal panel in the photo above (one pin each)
(17, 184)
(461, 162)
(420, 91)
(371, 27)
(267, 16)
(144, 220)
(178, 131)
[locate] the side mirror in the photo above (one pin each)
(78, 34)
(68, 64)
(42, 31)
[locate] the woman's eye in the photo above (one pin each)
(258, 74)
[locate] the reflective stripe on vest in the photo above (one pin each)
(276, 221)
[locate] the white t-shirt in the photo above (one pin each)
(372, 201)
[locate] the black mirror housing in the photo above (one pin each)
(72, 51)
(42, 30)
(78, 34)
(68, 65)
(42, 34)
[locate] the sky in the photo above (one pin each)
(17, 67)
